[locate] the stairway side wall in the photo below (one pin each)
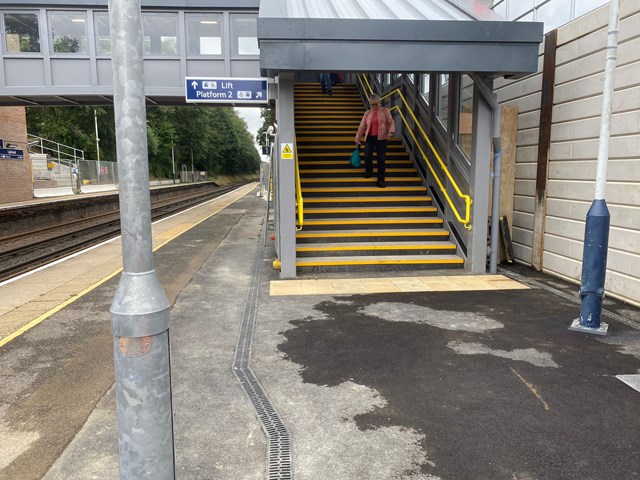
(572, 156)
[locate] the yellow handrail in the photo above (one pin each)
(299, 199)
(467, 199)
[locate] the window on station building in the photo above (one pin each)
(68, 32)
(465, 118)
(585, 6)
(500, 7)
(553, 14)
(520, 8)
(443, 99)
(204, 33)
(244, 34)
(103, 33)
(411, 77)
(160, 31)
(21, 33)
(424, 87)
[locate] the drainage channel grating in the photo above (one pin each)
(279, 440)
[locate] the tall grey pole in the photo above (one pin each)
(173, 161)
(95, 120)
(596, 235)
(140, 310)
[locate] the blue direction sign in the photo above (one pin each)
(226, 90)
(12, 153)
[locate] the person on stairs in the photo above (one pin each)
(325, 83)
(377, 126)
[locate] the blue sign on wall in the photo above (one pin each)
(12, 153)
(226, 90)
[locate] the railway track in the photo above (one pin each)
(21, 253)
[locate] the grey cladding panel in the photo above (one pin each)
(206, 68)
(409, 58)
(70, 72)
(26, 72)
(162, 73)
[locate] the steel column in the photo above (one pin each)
(479, 179)
(140, 310)
(286, 178)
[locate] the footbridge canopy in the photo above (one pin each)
(394, 36)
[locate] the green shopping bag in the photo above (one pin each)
(355, 158)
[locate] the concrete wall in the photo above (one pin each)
(16, 182)
(570, 182)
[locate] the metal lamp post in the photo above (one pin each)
(95, 119)
(140, 310)
(173, 160)
(596, 236)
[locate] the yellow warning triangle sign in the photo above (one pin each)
(286, 149)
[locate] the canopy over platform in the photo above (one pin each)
(394, 36)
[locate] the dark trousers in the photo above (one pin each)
(380, 147)
(325, 82)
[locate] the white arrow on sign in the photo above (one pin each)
(259, 95)
(194, 84)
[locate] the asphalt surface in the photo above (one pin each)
(428, 385)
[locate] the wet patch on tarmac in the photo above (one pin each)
(511, 395)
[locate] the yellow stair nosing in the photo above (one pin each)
(386, 198)
(375, 221)
(417, 188)
(357, 179)
(323, 247)
(385, 209)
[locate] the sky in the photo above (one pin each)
(254, 122)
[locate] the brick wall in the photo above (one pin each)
(16, 181)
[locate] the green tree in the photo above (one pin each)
(265, 114)
(216, 139)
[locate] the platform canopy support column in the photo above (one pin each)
(479, 183)
(286, 188)
(140, 310)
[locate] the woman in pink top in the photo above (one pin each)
(377, 126)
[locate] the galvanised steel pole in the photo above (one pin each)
(140, 310)
(596, 235)
(95, 120)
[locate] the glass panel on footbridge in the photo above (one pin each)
(21, 33)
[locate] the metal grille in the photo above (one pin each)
(279, 440)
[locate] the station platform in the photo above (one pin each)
(419, 375)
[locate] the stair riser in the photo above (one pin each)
(378, 203)
(370, 183)
(379, 192)
(352, 174)
(396, 253)
(376, 268)
(373, 238)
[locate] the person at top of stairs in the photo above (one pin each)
(377, 126)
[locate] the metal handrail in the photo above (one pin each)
(467, 199)
(299, 199)
(58, 148)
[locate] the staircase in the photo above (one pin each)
(349, 223)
